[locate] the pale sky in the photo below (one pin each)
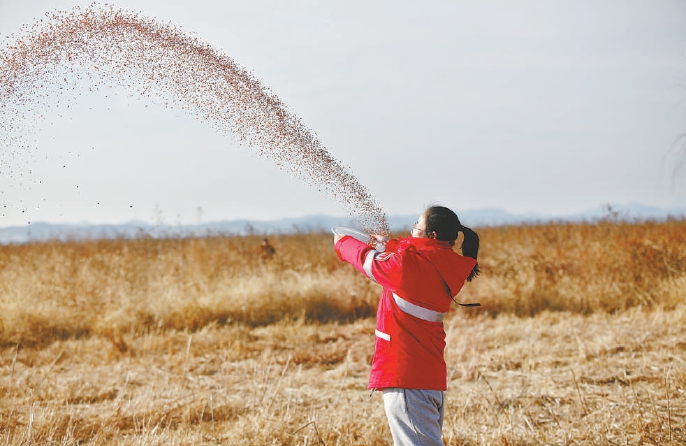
(529, 106)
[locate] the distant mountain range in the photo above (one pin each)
(315, 223)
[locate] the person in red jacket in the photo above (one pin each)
(420, 276)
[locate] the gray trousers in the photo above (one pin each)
(414, 416)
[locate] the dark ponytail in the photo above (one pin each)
(470, 248)
(444, 223)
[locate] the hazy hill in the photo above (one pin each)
(318, 222)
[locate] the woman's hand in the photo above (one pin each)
(378, 238)
(337, 237)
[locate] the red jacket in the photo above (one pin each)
(410, 340)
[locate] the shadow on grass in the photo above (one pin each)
(41, 331)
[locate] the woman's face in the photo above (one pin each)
(419, 228)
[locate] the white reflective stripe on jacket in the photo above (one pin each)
(417, 311)
(367, 265)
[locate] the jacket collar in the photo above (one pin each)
(421, 244)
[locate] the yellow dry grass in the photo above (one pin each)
(580, 340)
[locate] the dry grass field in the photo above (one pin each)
(580, 340)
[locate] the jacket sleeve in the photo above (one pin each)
(353, 251)
(382, 267)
